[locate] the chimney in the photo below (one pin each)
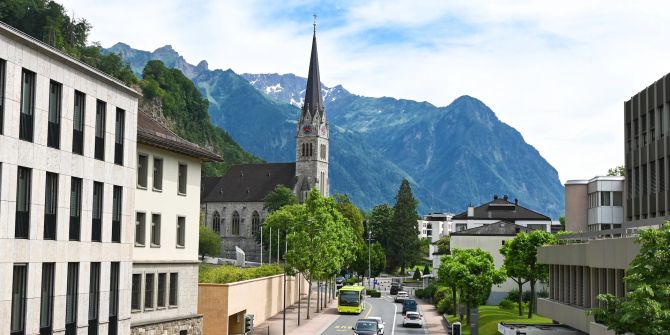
(505, 197)
(471, 211)
(516, 202)
(495, 197)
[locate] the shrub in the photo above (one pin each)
(441, 293)
(429, 291)
(507, 304)
(351, 281)
(229, 274)
(445, 305)
(417, 273)
(419, 293)
(374, 293)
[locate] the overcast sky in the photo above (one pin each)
(558, 74)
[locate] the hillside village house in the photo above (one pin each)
(67, 185)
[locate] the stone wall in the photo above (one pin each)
(188, 326)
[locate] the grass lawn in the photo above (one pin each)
(490, 316)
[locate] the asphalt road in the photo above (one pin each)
(390, 312)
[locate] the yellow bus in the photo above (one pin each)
(350, 299)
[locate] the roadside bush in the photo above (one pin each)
(429, 291)
(419, 293)
(507, 304)
(374, 293)
(445, 305)
(441, 293)
(513, 295)
(224, 274)
(351, 281)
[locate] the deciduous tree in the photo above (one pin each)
(514, 252)
(209, 242)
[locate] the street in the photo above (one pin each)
(390, 312)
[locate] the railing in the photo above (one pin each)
(96, 230)
(78, 142)
(118, 153)
(116, 231)
(22, 224)
(75, 228)
(49, 226)
(53, 135)
(26, 127)
(100, 148)
(631, 231)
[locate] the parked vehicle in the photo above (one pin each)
(366, 327)
(380, 323)
(395, 288)
(402, 295)
(412, 319)
(408, 305)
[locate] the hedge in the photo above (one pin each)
(223, 274)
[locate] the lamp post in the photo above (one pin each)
(270, 248)
(285, 250)
(369, 259)
(261, 245)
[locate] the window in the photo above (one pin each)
(94, 298)
(50, 206)
(182, 179)
(629, 183)
(638, 180)
(113, 299)
(100, 112)
(117, 200)
(78, 123)
(47, 298)
(158, 174)
(140, 224)
(255, 223)
(661, 125)
(605, 199)
(617, 198)
(149, 291)
(661, 175)
(53, 130)
(22, 224)
(118, 137)
(19, 283)
(235, 229)
(644, 180)
(27, 105)
(323, 152)
(71, 298)
(142, 161)
(174, 285)
(162, 286)
(216, 223)
(96, 229)
(136, 297)
(322, 183)
(155, 230)
(2, 95)
(181, 231)
(75, 209)
(652, 167)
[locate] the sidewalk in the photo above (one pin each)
(317, 323)
(433, 321)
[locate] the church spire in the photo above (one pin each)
(313, 101)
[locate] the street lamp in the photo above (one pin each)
(369, 262)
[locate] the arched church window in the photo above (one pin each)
(216, 222)
(255, 223)
(235, 228)
(310, 150)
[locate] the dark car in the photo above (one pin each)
(395, 288)
(339, 282)
(366, 327)
(408, 305)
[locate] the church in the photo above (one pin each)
(233, 204)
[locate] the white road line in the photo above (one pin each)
(395, 313)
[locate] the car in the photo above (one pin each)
(412, 319)
(408, 305)
(395, 288)
(380, 323)
(366, 327)
(402, 295)
(339, 282)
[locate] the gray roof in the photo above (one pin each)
(500, 228)
(313, 100)
(501, 209)
(247, 182)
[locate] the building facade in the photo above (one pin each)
(164, 297)
(67, 148)
(233, 204)
(500, 209)
(593, 205)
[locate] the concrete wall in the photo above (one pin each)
(576, 206)
(262, 297)
(608, 253)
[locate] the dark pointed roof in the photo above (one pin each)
(500, 228)
(247, 182)
(313, 100)
(502, 209)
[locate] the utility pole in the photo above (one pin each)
(277, 245)
(369, 258)
(270, 248)
(285, 249)
(299, 296)
(261, 245)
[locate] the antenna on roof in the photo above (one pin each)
(314, 15)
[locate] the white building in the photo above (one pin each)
(593, 205)
(500, 209)
(67, 148)
(167, 216)
(435, 225)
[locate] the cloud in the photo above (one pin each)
(558, 72)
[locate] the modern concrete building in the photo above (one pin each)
(167, 216)
(67, 170)
(593, 205)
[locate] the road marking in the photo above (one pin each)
(395, 313)
(370, 310)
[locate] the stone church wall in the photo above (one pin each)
(245, 240)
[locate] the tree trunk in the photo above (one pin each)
(318, 296)
(531, 303)
(519, 300)
(309, 297)
(467, 312)
(453, 296)
(460, 310)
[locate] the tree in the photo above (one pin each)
(514, 253)
(380, 222)
(424, 246)
(209, 242)
(417, 274)
(617, 171)
(318, 238)
(561, 219)
(443, 246)
(352, 213)
(281, 196)
(450, 274)
(645, 308)
(404, 243)
(377, 260)
(426, 270)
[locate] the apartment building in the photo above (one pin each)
(67, 170)
(164, 295)
(595, 204)
(500, 209)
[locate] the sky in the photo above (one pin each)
(557, 71)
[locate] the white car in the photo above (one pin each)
(402, 295)
(380, 323)
(412, 319)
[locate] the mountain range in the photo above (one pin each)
(453, 156)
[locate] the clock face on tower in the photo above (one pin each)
(307, 129)
(322, 130)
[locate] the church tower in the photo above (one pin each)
(312, 147)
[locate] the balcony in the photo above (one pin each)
(49, 226)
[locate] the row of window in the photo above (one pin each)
(235, 226)
(157, 180)
(307, 150)
(156, 294)
(640, 126)
(605, 198)
(646, 178)
(24, 199)
(19, 298)
(155, 237)
(27, 119)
